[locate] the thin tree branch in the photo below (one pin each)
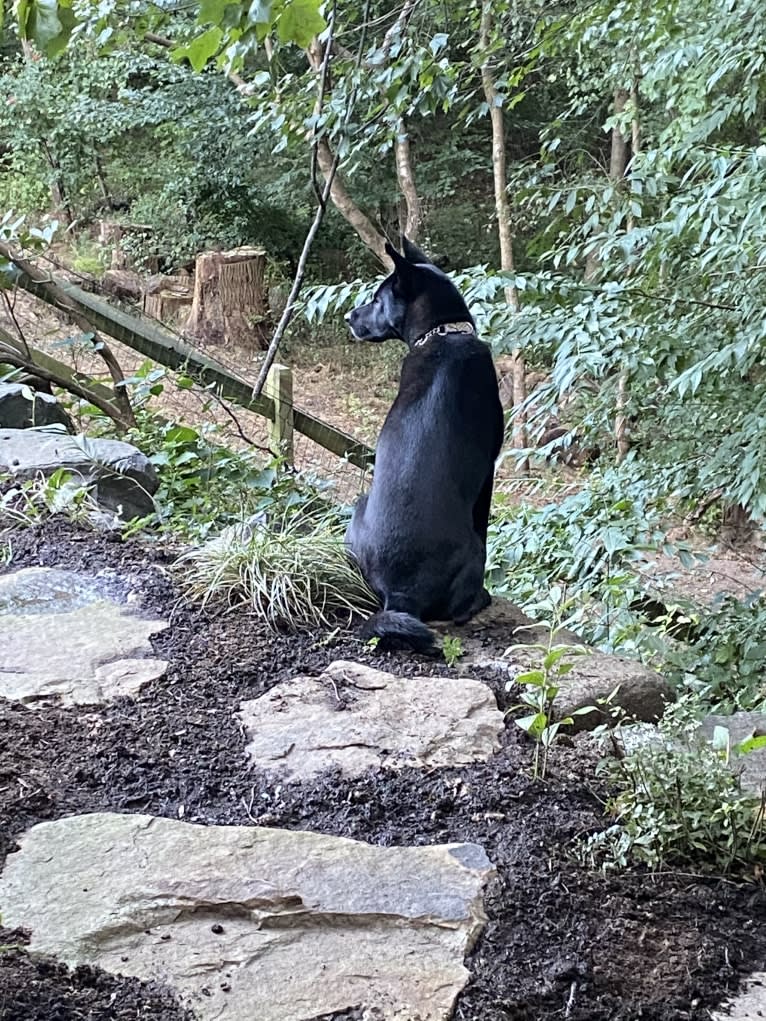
(324, 65)
(330, 171)
(223, 405)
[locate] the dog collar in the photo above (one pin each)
(440, 331)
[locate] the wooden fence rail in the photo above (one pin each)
(174, 353)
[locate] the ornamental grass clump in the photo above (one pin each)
(295, 574)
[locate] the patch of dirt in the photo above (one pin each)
(736, 572)
(39, 989)
(561, 941)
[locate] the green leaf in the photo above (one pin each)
(299, 22)
(751, 744)
(181, 434)
(46, 23)
(211, 11)
(200, 50)
(721, 739)
(534, 725)
(261, 12)
(552, 658)
(536, 677)
(438, 42)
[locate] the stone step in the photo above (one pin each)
(355, 718)
(69, 636)
(249, 923)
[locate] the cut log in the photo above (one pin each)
(168, 298)
(123, 284)
(230, 298)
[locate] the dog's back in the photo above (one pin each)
(439, 441)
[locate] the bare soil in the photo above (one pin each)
(561, 941)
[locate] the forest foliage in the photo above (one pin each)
(636, 172)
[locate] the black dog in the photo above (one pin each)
(419, 536)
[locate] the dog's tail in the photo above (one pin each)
(402, 627)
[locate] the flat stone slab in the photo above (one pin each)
(354, 717)
(749, 1005)
(248, 923)
(63, 636)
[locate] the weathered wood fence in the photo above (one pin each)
(162, 347)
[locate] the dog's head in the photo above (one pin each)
(401, 298)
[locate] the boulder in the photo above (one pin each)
(122, 478)
(62, 636)
(643, 693)
(354, 718)
(21, 407)
(249, 923)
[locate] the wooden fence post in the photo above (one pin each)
(280, 388)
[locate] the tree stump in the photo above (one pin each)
(230, 303)
(167, 298)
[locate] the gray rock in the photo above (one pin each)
(749, 1005)
(751, 766)
(21, 407)
(248, 923)
(354, 717)
(123, 479)
(45, 590)
(643, 693)
(61, 637)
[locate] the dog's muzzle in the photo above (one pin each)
(348, 318)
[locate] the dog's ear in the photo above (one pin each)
(412, 253)
(403, 268)
(392, 253)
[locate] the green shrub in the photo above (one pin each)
(675, 804)
(295, 573)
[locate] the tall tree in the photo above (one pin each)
(503, 215)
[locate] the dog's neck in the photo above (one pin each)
(460, 326)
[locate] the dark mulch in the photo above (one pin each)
(561, 941)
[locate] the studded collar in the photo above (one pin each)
(440, 331)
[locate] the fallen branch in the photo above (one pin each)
(39, 364)
(60, 300)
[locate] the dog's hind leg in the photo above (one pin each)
(481, 601)
(468, 595)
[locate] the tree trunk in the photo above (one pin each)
(618, 165)
(230, 303)
(503, 213)
(348, 209)
(406, 177)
